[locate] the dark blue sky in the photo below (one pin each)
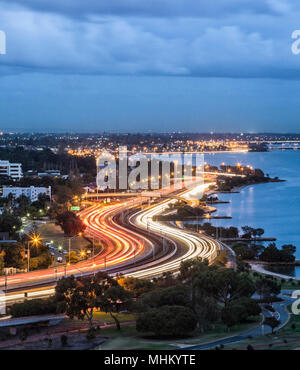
(141, 65)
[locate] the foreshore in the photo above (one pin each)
(237, 189)
(259, 268)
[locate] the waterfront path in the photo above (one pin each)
(259, 268)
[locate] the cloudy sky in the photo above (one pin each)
(149, 65)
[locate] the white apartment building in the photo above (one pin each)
(14, 170)
(32, 192)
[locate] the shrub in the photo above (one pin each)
(167, 321)
(33, 307)
(64, 340)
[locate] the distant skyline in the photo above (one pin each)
(120, 133)
(141, 66)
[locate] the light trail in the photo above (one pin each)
(128, 252)
(197, 245)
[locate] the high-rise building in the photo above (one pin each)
(31, 192)
(13, 170)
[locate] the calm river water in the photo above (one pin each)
(274, 206)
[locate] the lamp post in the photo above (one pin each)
(5, 281)
(69, 250)
(34, 240)
(28, 256)
(69, 240)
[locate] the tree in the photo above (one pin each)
(233, 314)
(166, 280)
(81, 297)
(244, 252)
(10, 224)
(167, 321)
(225, 285)
(289, 248)
(63, 194)
(207, 311)
(23, 205)
(190, 272)
(190, 269)
(221, 259)
(248, 231)
(242, 266)
(273, 254)
(13, 254)
(135, 285)
(33, 307)
(42, 261)
(259, 232)
(177, 295)
(267, 288)
(272, 322)
(70, 223)
(115, 299)
(72, 257)
(251, 306)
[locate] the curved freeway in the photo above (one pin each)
(192, 244)
(133, 250)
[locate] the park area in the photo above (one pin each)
(51, 232)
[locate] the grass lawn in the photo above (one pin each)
(270, 342)
(129, 338)
(293, 326)
(295, 285)
(220, 331)
(286, 338)
(289, 285)
(49, 231)
(106, 318)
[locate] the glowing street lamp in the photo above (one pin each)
(35, 240)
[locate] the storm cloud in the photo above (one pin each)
(166, 37)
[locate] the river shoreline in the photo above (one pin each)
(259, 268)
(256, 266)
(272, 206)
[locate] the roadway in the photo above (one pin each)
(135, 249)
(280, 314)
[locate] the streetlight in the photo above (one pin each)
(28, 256)
(35, 240)
(79, 234)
